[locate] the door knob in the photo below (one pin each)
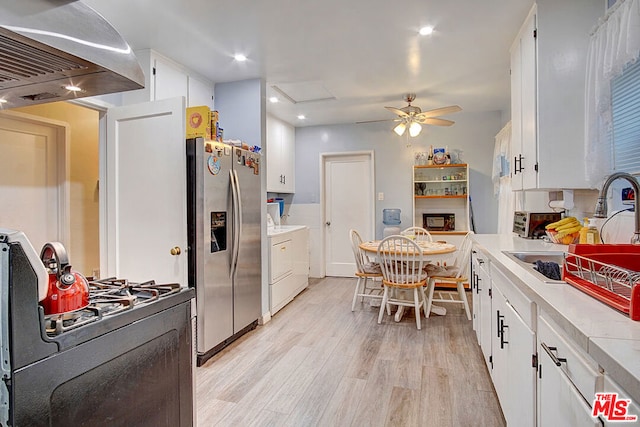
(175, 251)
(328, 223)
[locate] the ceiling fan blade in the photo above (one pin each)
(397, 111)
(373, 121)
(436, 122)
(440, 112)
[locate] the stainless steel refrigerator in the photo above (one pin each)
(224, 219)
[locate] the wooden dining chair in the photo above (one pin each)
(365, 270)
(419, 233)
(401, 261)
(458, 274)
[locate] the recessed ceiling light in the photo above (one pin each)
(273, 99)
(301, 116)
(240, 57)
(425, 31)
(73, 88)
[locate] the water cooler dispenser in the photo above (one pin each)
(391, 220)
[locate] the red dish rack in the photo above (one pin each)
(609, 273)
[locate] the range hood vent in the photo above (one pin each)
(48, 45)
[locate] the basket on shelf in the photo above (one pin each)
(609, 273)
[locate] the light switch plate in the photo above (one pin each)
(380, 196)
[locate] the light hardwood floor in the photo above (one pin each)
(316, 363)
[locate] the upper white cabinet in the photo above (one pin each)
(548, 63)
(165, 78)
(280, 155)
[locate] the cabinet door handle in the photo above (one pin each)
(499, 318)
(478, 285)
(557, 360)
(517, 167)
(502, 327)
(284, 179)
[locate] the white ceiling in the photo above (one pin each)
(365, 53)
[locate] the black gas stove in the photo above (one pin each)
(126, 359)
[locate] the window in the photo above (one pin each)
(625, 109)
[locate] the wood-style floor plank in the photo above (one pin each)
(318, 363)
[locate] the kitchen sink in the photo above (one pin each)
(528, 259)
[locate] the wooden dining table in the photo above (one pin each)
(432, 252)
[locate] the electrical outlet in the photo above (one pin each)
(381, 196)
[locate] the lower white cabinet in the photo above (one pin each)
(481, 284)
(568, 379)
(632, 408)
(288, 266)
(513, 348)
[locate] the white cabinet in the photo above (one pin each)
(288, 266)
(632, 408)
(482, 304)
(280, 156)
(513, 349)
(568, 379)
(200, 92)
(165, 78)
(548, 59)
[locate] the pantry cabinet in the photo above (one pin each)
(441, 197)
(165, 79)
(548, 62)
(280, 156)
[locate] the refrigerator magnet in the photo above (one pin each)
(213, 164)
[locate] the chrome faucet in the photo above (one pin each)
(601, 205)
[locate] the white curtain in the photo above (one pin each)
(614, 44)
(501, 177)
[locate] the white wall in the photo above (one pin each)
(473, 133)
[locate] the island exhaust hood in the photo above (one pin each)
(55, 50)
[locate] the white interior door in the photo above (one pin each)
(348, 203)
(33, 178)
(145, 192)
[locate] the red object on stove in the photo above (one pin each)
(68, 290)
(623, 257)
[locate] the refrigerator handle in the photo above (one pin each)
(238, 220)
(234, 228)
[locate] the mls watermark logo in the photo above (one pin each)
(611, 408)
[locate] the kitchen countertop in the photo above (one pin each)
(280, 229)
(608, 336)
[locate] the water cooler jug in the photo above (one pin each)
(391, 220)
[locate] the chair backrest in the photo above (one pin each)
(358, 254)
(420, 234)
(463, 256)
(401, 260)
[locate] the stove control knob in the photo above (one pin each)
(175, 251)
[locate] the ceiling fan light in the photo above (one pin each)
(400, 129)
(414, 129)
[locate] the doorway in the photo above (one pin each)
(348, 189)
(77, 184)
(33, 177)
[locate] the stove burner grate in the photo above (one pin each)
(108, 297)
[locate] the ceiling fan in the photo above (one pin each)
(412, 117)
